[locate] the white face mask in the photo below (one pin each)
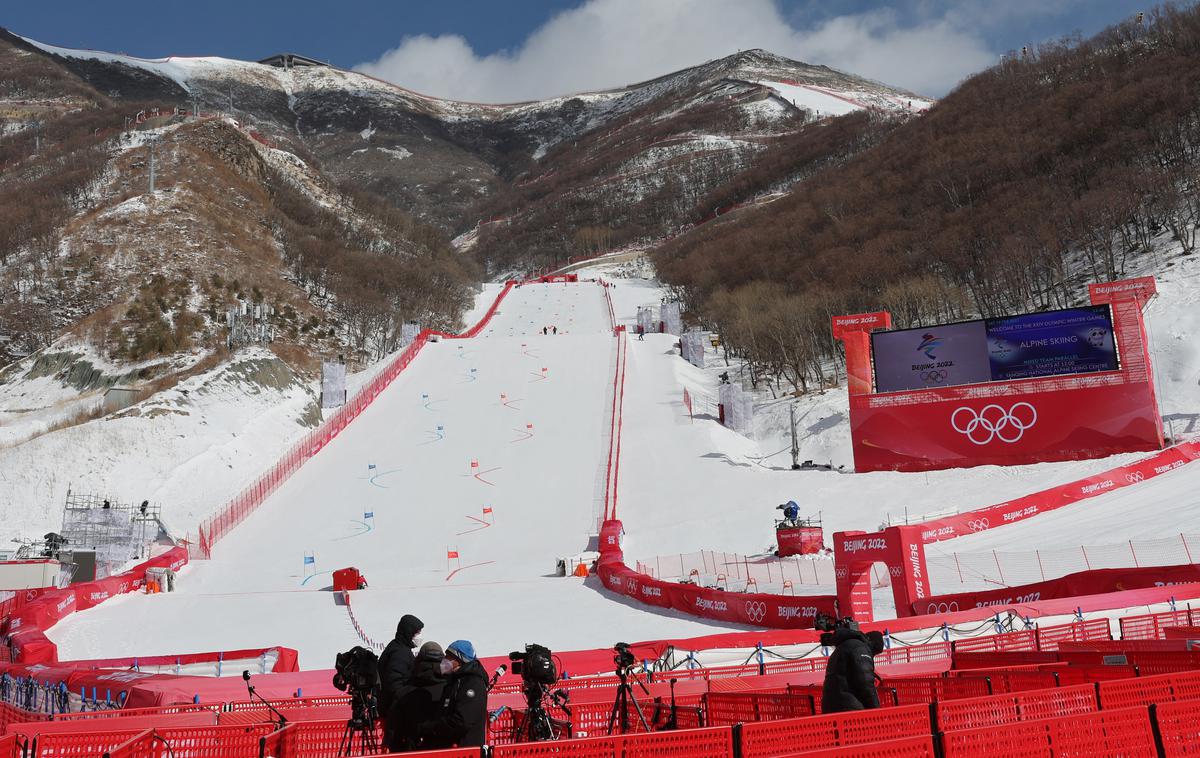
(417, 640)
(447, 666)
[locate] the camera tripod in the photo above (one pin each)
(625, 696)
(536, 725)
(363, 714)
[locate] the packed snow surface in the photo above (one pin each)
(529, 410)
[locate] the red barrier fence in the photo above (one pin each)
(1152, 626)
(1008, 708)
(909, 747)
(27, 627)
(1125, 732)
(193, 742)
(247, 501)
(1028, 506)
(769, 739)
(1179, 728)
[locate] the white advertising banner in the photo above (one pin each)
(333, 384)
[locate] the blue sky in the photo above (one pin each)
(514, 49)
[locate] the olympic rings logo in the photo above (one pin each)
(756, 611)
(840, 573)
(978, 525)
(1135, 477)
(942, 607)
(935, 376)
(896, 570)
(631, 586)
(994, 422)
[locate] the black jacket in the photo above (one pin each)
(395, 666)
(849, 675)
(417, 702)
(462, 719)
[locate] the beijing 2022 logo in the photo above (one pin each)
(994, 422)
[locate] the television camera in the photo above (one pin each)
(535, 666)
(356, 672)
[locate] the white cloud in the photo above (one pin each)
(609, 43)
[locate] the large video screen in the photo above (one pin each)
(1051, 343)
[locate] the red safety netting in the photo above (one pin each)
(247, 501)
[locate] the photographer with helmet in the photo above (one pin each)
(850, 672)
(462, 719)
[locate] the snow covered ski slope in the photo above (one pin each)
(685, 486)
(487, 447)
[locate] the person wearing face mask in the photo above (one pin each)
(418, 701)
(396, 663)
(462, 719)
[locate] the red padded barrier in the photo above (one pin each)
(136, 747)
(1150, 626)
(315, 739)
(194, 742)
(1020, 681)
(1024, 640)
(8, 747)
(689, 743)
(909, 747)
(1062, 701)
(773, 738)
(1179, 726)
(1050, 637)
(914, 690)
(1125, 732)
(728, 708)
(596, 747)
(119, 713)
(998, 660)
(972, 713)
(457, 752)
(289, 702)
(11, 714)
(1142, 690)
(1145, 690)
(1082, 674)
(86, 745)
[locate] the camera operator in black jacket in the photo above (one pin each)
(396, 663)
(850, 673)
(418, 701)
(462, 719)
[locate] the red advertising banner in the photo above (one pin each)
(1098, 582)
(1028, 506)
(860, 322)
(900, 549)
(27, 625)
(1140, 290)
(1009, 422)
(756, 609)
(801, 540)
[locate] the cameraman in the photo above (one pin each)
(395, 665)
(462, 719)
(850, 673)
